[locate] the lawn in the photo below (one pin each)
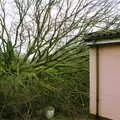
(69, 118)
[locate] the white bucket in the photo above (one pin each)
(50, 113)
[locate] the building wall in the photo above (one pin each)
(93, 80)
(109, 77)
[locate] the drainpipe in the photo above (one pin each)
(97, 82)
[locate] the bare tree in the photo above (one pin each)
(41, 49)
(45, 31)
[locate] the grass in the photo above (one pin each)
(69, 118)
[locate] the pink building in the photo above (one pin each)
(105, 74)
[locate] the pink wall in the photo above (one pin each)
(93, 80)
(109, 72)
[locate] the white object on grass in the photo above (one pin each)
(50, 111)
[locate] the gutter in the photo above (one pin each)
(97, 82)
(103, 42)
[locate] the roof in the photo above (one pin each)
(103, 37)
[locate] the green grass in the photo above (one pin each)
(69, 118)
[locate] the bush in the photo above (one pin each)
(26, 88)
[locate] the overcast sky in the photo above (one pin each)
(11, 12)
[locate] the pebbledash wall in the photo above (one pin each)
(105, 75)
